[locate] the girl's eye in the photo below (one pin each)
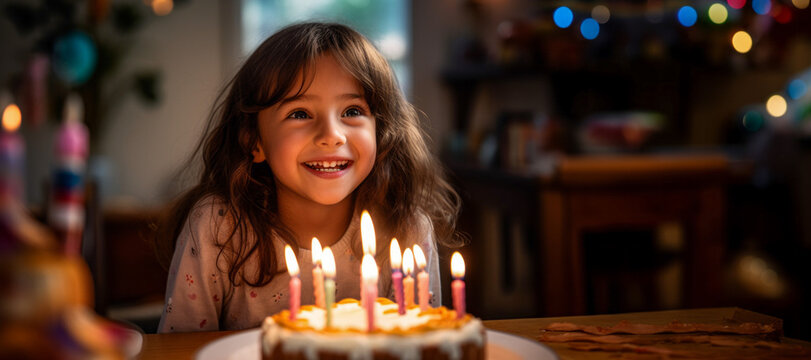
(353, 112)
(298, 114)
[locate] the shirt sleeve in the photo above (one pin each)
(194, 289)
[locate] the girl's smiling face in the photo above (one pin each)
(320, 144)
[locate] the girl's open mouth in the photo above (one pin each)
(328, 166)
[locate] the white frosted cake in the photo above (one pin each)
(431, 334)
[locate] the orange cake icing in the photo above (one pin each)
(430, 334)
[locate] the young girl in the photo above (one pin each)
(313, 130)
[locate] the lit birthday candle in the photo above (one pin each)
(295, 282)
(369, 275)
(12, 154)
(408, 281)
(458, 284)
(422, 278)
(368, 240)
(328, 262)
(318, 274)
(397, 275)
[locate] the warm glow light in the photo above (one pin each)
(367, 233)
(396, 256)
(419, 257)
(316, 248)
(162, 7)
(457, 265)
(718, 13)
(742, 42)
(12, 118)
(800, 4)
(368, 268)
(408, 262)
(601, 14)
(290, 257)
(776, 106)
(328, 263)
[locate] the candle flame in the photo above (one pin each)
(419, 257)
(328, 263)
(408, 262)
(368, 268)
(396, 256)
(12, 118)
(316, 249)
(367, 233)
(457, 265)
(290, 257)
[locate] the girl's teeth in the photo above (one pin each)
(327, 166)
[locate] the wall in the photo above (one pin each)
(195, 48)
(145, 146)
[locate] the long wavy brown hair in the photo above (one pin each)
(406, 181)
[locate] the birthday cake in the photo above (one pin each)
(432, 334)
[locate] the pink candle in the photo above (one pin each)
(458, 284)
(397, 275)
(295, 282)
(318, 274)
(369, 274)
(408, 282)
(422, 278)
(12, 154)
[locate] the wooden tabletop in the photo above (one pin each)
(185, 345)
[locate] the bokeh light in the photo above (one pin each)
(762, 7)
(742, 42)
(590, 28)
(601, 14)
(687, 16)
(753, 120)
(781, 14)
(162, 7)
(563, 17)
(800, 4)
(797, 88)
(74, 57)
(776, 106)
(718, 13)
(393, 46)
(11, 118)
(736, 4)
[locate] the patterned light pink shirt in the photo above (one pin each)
(200, 297)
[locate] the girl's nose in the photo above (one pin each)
(330, 133)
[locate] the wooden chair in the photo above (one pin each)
(611, 192)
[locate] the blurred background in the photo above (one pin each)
(613, 156)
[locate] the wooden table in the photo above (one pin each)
(185, 345)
